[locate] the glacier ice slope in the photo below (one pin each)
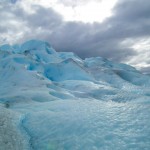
(56, 101)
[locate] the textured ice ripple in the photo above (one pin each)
(90, 125)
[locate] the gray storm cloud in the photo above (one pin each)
(130, 21)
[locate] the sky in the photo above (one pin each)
(118, 30)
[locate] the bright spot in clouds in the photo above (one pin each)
(89, 12)
(84, 11)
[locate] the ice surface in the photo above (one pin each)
(59, 71)
(56, 101)
(10, 137)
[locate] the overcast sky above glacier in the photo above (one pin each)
(115, 29)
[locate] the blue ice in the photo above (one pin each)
(56, 101)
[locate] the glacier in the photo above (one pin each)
(57, 101)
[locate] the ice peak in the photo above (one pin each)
(35, 45)
(28, 46)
